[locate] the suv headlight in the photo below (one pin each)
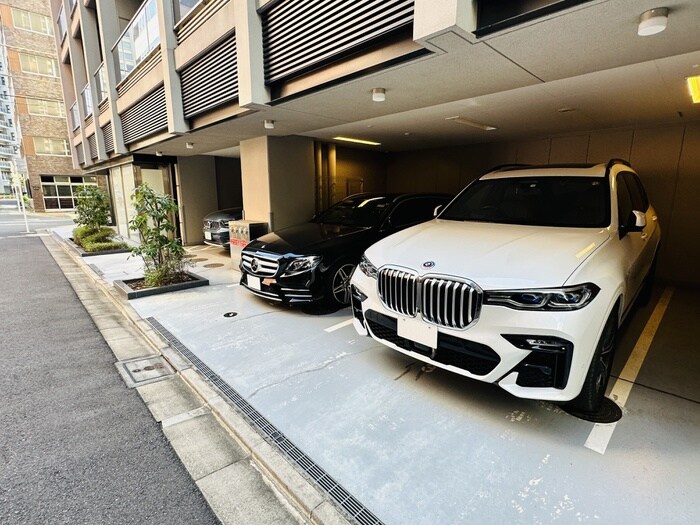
(301, 265)
(568, 298)
(367, 267)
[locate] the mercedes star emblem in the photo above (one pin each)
(254, 265)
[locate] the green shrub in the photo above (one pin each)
(162, 253)
(87, 234)
(81, 232)
(97, 246)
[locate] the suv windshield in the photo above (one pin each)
(577, 202)
(363, 212)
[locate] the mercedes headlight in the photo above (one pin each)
(367, 267)
(567, 298)
(301, 265)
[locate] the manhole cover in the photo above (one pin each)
(230, 314)
(213, 265)
(198, 259)
(142, 371)
(608, 412)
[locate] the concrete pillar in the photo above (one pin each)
(108, 16)
(434, 18)
(278, 179)
(88, 24)
(173, 90)
(252, 92)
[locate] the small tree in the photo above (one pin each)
(92, 233)
(92, 207)
(162, 254)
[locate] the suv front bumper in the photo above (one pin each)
(482, 352)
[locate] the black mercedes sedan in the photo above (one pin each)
(314, 261)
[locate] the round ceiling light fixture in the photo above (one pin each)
(653, 21)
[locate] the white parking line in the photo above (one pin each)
(601, 433)
(338, 326)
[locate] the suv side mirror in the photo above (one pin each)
(636, 222)
(437, 210)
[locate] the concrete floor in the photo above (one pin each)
(425, 448)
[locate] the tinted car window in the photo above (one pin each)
(577, 202)
(624, 200)
(358, 211)
(640, 201)
(413, 211)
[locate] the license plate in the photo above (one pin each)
(254, 282)
(417, 331)
(207, 236)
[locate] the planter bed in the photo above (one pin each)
(79, 250)
(123, 288)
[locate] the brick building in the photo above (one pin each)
(33, 131)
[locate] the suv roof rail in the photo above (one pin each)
(612, 162)
(504, 167)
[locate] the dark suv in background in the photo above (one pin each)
(313, 261)
(215, 227)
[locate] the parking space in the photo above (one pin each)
(416, 446)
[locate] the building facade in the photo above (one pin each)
(33, 107)
(285, 106)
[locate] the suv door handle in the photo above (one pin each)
(644, 236)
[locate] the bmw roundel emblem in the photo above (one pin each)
(428, 264)
(254, 265)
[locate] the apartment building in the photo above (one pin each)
(285, 106)
(33, 134)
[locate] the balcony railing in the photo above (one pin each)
(138, 39)
(62, 26)
(74, 117)
(87, 100)
(8, 150)
(7, 138)
(5, 165)
(101, 83)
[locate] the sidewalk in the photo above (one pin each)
(212, 437)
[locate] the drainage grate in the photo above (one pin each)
(337, 493)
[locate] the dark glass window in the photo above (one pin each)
(414, 211)
(361, 211)
(576, 202)
(624, 200)
(640, 201)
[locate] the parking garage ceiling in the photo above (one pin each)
(578, 70)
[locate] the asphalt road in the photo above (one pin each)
(76, 446)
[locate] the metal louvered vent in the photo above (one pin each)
(145, 117)
(92, 144)
(398, 290)
(212, 79)
(301, 34)
(108, 137)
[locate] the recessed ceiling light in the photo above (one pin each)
(379, 94)
(358, 141)
(408, 133)
(566, 110)
(189, 145)
(269, 124)
(471, 123)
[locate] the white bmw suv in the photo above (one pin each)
(522, 280)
